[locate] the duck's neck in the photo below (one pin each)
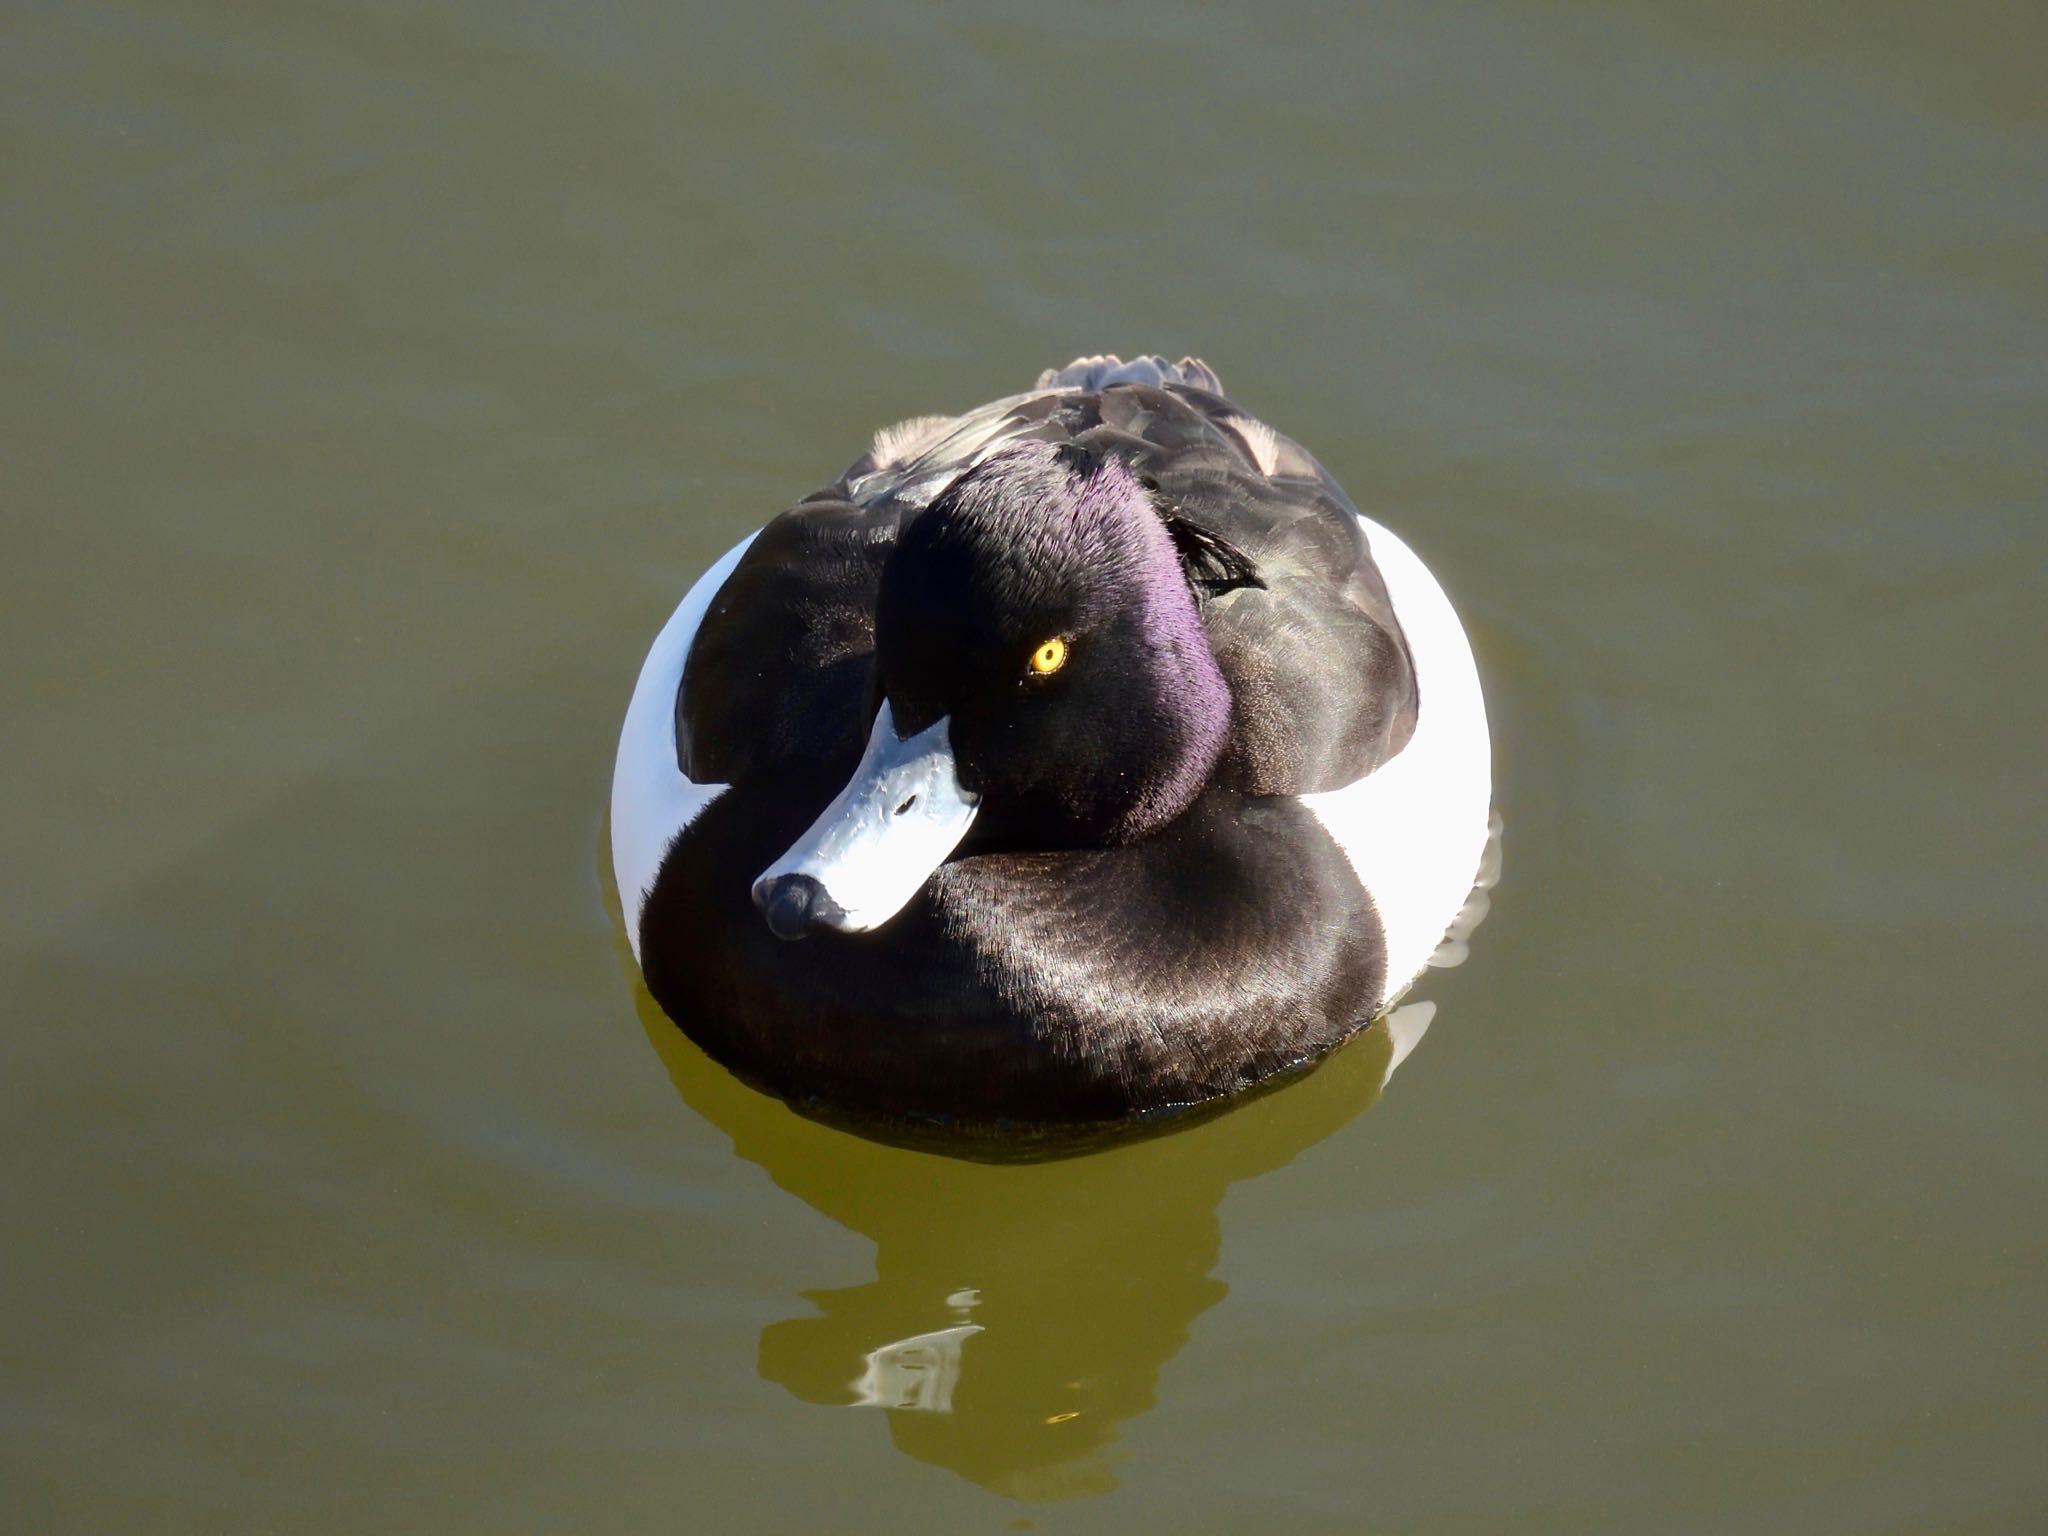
(1182, 678)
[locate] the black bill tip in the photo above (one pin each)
(795, 905)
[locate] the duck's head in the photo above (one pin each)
(1042, 676)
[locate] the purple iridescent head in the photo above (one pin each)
(1041, 603)
(1042, 677)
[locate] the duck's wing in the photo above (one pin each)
(1322, 678)
(776, 679)
(1318, 665)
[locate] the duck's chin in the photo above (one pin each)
(1046, 822)
(1109, 800)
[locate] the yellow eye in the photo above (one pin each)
(1049, 657)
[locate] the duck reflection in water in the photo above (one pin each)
(1020, 1315)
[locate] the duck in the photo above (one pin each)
(1068, 767)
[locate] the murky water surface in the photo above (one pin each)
(376, 376)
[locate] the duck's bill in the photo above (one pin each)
(877, 843)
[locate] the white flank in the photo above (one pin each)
(651, 799)
(1415, 829)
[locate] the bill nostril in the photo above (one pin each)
(908, 802)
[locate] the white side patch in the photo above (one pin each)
(1415, 828)
(651, 799)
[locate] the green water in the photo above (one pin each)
(377, 376)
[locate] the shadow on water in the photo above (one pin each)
(1020, 1315)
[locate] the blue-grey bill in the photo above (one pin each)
(877, 843)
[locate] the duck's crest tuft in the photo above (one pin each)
(1107, 369)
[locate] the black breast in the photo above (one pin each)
(1072, 989)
